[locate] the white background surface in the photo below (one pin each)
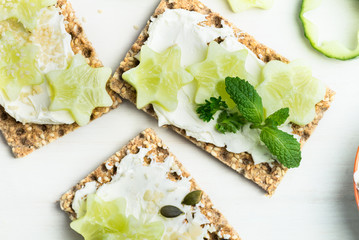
(314, 201)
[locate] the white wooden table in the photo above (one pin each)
(314, 201)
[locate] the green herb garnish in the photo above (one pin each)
(281, 144)
(248, 102)
(207, 110)
(229, 122)
(277, 118)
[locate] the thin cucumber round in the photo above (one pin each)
(331, 49)
(241, 5)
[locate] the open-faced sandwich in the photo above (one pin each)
(51, 81)
(214, 84)
(143, 192)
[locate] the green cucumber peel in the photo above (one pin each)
(331, 49)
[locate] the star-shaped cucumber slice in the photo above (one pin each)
(17, 65)
(291, 85)
(158, 77)
(211, 73)
(101, 219)
(79, 89)
(26, 11)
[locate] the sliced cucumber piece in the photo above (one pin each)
(332, 48)
(17, 30)
(241, 5)
(17, 65)
(291, 85)
(158, 77)
(79, 89)
(26, 11)
(219, 64)
(108, 220)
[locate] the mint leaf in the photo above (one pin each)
(229, 122)
(248, 101)
(282, 145)
(277, 118)
(207, 110)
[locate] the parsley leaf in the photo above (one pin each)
(248, 101)
(209, 108)
(229, 122)
(282, 145)
(277, 118)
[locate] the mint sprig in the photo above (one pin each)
(281, 144)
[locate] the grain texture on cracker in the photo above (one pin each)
(266, 176)
(25, 138)
(159, 152)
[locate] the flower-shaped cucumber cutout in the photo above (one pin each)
(17, 65)
(101, 219)
(291, 85)
(79, 89)
(158, 77)
(210, 74)
(241, 5)
(26, 11)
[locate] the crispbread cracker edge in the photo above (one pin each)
(159, 152)
(25, 138)
(266, 176)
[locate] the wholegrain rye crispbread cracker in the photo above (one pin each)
(266, 176)
(159, 152)
(25, 138)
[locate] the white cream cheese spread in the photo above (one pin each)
(184, 28)
(146, 189)
(32, 106)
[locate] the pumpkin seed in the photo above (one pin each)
(170, 211)
(192, 198)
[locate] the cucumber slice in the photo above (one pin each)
(17, 30)
(108, 220)
(219, 64)
(26, 11)
(331, 49)
(17, 65)
(291, 85)
(158, 77)
(79, 89)
(241, 5)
